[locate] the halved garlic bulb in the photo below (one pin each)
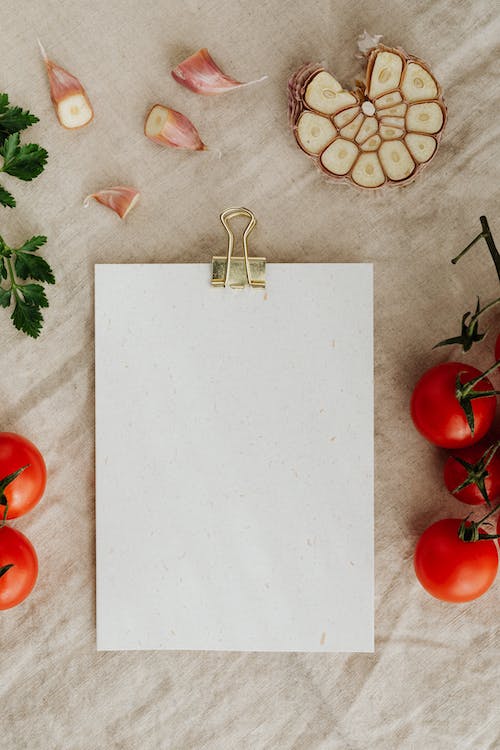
(382, 133)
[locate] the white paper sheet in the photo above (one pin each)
(234, 459)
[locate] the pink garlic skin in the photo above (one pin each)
(201, 74)
(174, 129)
(120, 199)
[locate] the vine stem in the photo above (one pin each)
(488, 237)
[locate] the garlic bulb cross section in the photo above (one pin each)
(382, 133)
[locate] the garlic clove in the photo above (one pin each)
(120, 199)
(339, 157)
(201, 74)
(393, 122)
(421, 147)
(325, 94)
(314, 132)
(70, 100)
(388, 100)
(351, 130)
(424, 118)
(367, 171)
(386, 73)
(368, 128)
(390, 133)
(399, 110)
(418, 84)
(345, 117)
(371, 144)
(170, 128)
(396, 160)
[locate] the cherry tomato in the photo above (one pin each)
(455, 474)
(453, 570)
(437, 413)
(17, 582)
(27, 489)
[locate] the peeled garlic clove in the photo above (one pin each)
(345, 117)
(120, 199)
(418, 84)
(421, 147)
(389, 134)
(367, 171)
(424, 118)
(201, 74)
(386, 73)
(371, 144)
(325, 94)
(314, 132)
(170, 128)
(388, 100)
(369, 128)
(71, 103)
(350, 130)
(339, 157)
(396, 160)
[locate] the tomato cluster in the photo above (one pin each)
(24, 477)
(453, 406)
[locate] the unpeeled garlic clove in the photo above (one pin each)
(201, 74)
(71, 103)
(120, 199)
(170, 128)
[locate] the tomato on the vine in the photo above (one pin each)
(26, 490)
(476, 470)
(442, 399)
(18, 567)
(451, 569)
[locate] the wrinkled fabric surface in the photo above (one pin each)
(433, 681)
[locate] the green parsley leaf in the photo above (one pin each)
(13, 119)
(32, 244)
(34, 294)
(6, 198)
(34, 267)
(27, 318)
(25, 162)
(3, 269)
(4, 297)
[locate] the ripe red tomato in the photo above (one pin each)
(453, 570)
(455, 474)
(437, 412)
(17, 582)
(27, 489)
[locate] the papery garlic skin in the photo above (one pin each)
(201, 74)
(70, 100)
(381, 134)
(167, 127)
(120, 199)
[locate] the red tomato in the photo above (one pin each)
(455, 474)
(437, 413)
(497, 349)
(18, 581)
(27, 489)
(453, 570)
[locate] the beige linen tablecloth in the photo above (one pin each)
(433, 682)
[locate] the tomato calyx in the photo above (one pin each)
(5, 568)
(469, 531)
(465, 392)
(488, 237)
(4, 483)
(477, 472)
(470, 328)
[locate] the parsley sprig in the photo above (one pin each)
(18, 265)
(25, 161)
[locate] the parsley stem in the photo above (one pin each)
(11, 275)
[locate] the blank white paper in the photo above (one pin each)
(234, 459)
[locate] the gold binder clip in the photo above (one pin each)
(238, 272)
